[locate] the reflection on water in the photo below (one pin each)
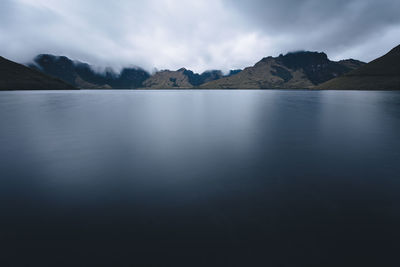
(199, 178)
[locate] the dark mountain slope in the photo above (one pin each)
(14, 76)
(380, 74)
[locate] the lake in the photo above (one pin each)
(200, 178)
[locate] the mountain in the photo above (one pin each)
(14, 76)
(82, 75)
(380, 74)
(290, 71)
(183, 79)
(168, 79)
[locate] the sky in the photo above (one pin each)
(199, 35)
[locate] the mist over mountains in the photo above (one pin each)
(301, 69)
(296, 70)
(83, 75)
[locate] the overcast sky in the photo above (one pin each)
(200, 35)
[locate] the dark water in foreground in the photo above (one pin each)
(200, 178)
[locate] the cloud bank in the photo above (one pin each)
(200, 35)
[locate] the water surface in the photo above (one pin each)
(199, 178)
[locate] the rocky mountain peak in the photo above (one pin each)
(295, 60)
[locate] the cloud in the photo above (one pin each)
(199, 35)
(152, 34)
(336, 26)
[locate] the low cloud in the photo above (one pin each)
(200, 35)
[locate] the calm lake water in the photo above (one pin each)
(200, 178)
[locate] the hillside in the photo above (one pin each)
(14, 76)
(292, 71)
(380, 74)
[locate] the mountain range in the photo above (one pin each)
(82, 75)
(291, 71)
(296, 70)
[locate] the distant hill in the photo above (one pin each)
(291, 71)
(183, 79)
(82, 75)
(168, 79)
(14, 76)
(381, 74)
